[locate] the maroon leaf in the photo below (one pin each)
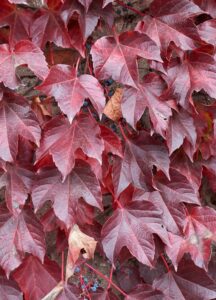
(112, 142)
(172, 194)
(19, 234)
(119, 59)
(18, 181)
(207, 5)
(133, 227)
(171, 23)
(49, 27)
(181, 127)
(196, 71)
(18, 19)
(17, 120)
(199, 232)
(9, 289)
(207, 31)
(192, 171)
(70, 91)
(135, 101)
(36, 279)
(81, 182)
(61, 140)
(190, 282)
(87, 18)
(141, 153)
(146, 292)
(24, 52)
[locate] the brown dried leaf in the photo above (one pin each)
(113, 107)
(78, 241)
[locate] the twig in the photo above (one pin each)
(138, 12)
(107, 279)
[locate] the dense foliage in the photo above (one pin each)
(107, 149)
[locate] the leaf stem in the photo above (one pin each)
(107, 279)
(138, 12)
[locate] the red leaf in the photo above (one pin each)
(17, 19)
(208, 5)
(207, 31)
(199, 232)
(18, 181)
(70, 91)
(24, 52)
(9, 290)
(112, 142)
(195, 72)
(36, 279)
(135, 101)
(192, 171)
(62, 140)
(17, 120)
(171, 23)
(145, 291)
(87, 19)
(81, 182)
(141, 153)
(181, 127)
(119, 59)
(133, 227)
(49, 27)
(190, 282)
(20, 234)
(173, 194)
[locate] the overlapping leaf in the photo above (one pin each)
(62, 140)
(24, 52)
(119, 59)
(19, 234)
(41, 279)
(70, 91)
(133, 226)
(17, 119)
(80, 183)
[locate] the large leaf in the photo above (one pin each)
(119, 59)
(199, 232)
(18, 181)
(135, 101)
(62, 140)
(49, 27)
(37, 279)
(195, 72)
(133, 226)
(190, 282)
(81, 182)
(24, 52)
(170, 22)
(181, 127)
(17, 119)
(9, 289)
(19, 234)
(18, 19)
(172, 195)
(141, 153)
(70, 91)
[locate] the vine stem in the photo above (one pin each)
(165, 262)
(138, 12)
(110, 277)
(107, 279)
(62, 266)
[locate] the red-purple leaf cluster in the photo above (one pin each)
(141, 187)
